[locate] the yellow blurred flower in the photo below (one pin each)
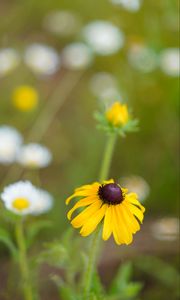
(25, 98)
(119, 210)
(117, 114)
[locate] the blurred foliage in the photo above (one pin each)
(72, 136)
(164, 274)
(153, 96)
(63, 256)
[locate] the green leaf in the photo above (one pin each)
(94, 296)
(34, 229)
(55, 254)
(97, 286)
(132, 290)
(5, 238)
(9, 217)
(113, 297)
(122, 277)
(122, 285)
(65, 291)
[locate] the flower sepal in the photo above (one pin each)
(122, 129)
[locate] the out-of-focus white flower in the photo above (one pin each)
(64, 23)
(130, 5)
(20, 197)
(23, 198)
(42, 59)
(142, 58)
(104, 86)
(44, 203)
(10, 142)
(170, 61)
(137, 185)
(166, 229)
(77, 56)
(103, 37)
(34, 156)
(9, 59)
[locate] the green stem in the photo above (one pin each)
(23, 264)
(109, 149)
(108, 154)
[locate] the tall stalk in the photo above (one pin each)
(108, 154)
(23, 263)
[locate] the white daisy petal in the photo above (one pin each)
(42, 59)
(103, 37)
(130, 5)
(142, 58)
(10, 142)
(23, 198)
(166, 229)
(170, 61)
(34, 156)
(9, 59)
(62, 22)
(77, 56)
(137, 185)
(44, 203)
(104, 86)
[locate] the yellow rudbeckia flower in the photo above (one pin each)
(120, 212)
(117, 114)
(25, 98)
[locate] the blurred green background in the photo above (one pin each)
(76, 144)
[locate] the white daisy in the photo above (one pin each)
(20, 197)
(62, 22)
(170, 61)
(104, 86)
(142, 58)
(42, 59)
(10, 142)
(44, 203)
(130, 5)
(103, 37)
(77, 56)
(34, 156)
(23, 198)
(137, 185)
(166, 229)
(9, 59)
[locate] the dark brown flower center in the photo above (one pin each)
(111, 193)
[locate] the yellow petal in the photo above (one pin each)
(132, 199)
(77, 194)
(125, 232)
(107, 227)
(108, 181)
(115, 227)
(86, 190)
(124, 190)
(117, 114)
(130, 218)
(83, 202)
(126, 222)
(86, 214)
(135, 211)
(93, 221)
(93, 186)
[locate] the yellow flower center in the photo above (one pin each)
(21, 203)
(25, 98)
(118, 114)
(32, 163)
